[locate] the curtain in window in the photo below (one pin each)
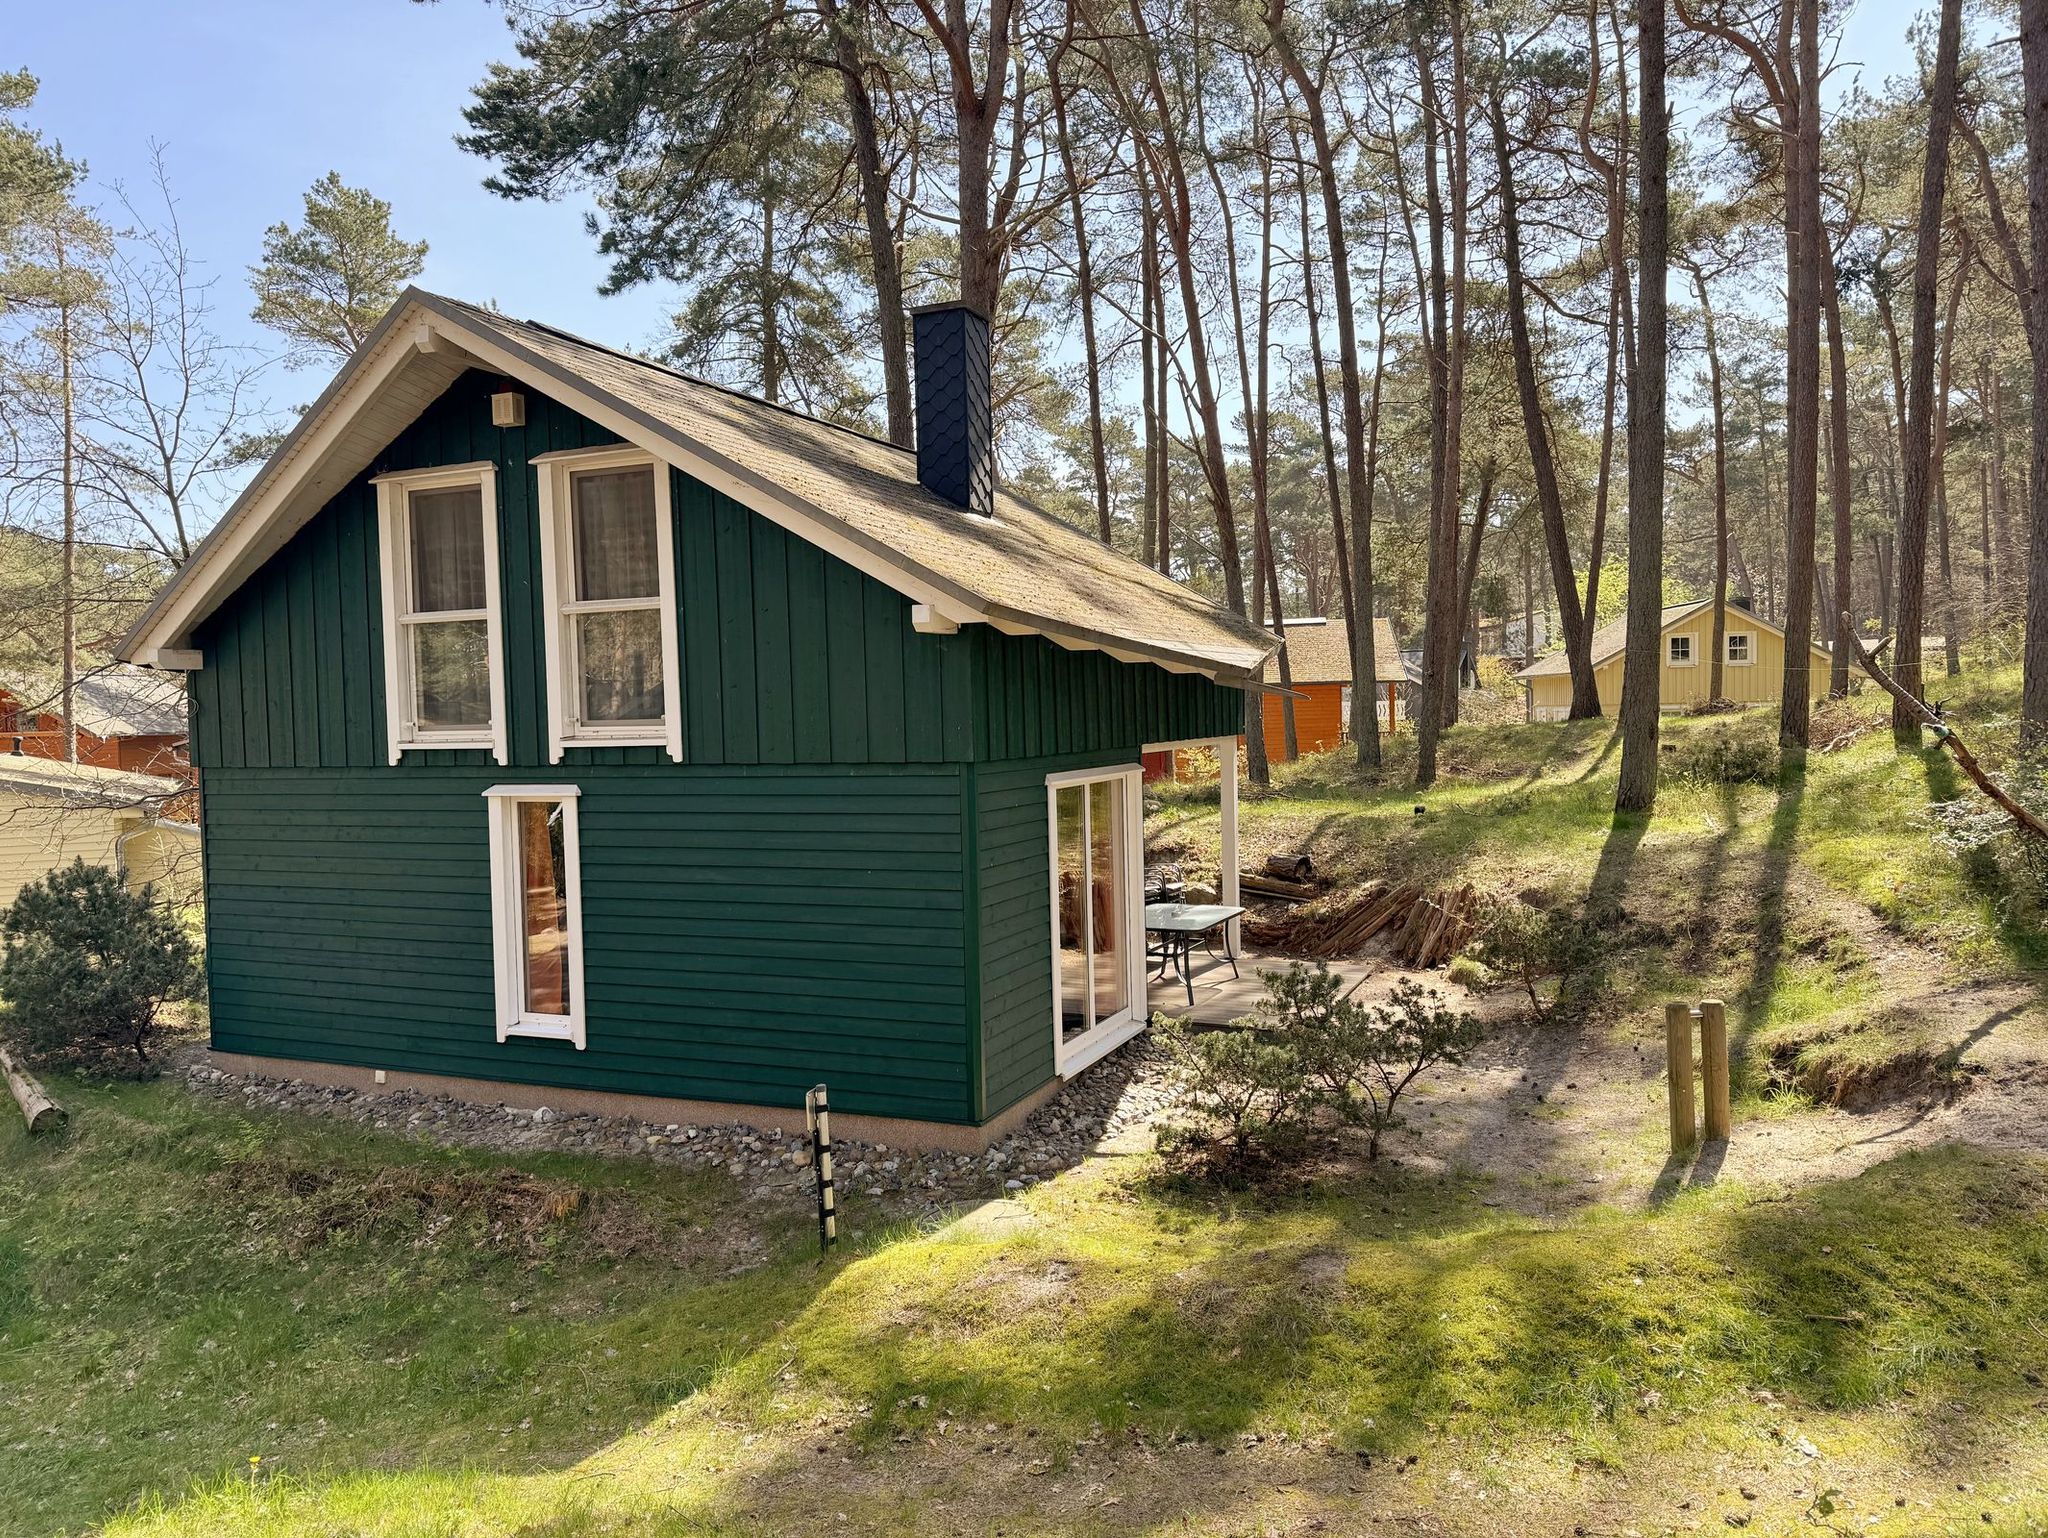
(447, 549)
(614, 532)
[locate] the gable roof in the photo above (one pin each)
(129, 702)
(1611, 639)
(1319, 652)
(1023, 571)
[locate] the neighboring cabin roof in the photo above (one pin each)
(51, 780)
(130, 702)
(1319, 652)
(1023, 570)
(1611, 639)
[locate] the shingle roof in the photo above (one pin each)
(129, 702)
(1319, 652)
(857, 496)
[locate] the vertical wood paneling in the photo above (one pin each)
(775, 712)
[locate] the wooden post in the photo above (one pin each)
(1678, 1059)
(1227, 889)
(1714, 1067)
(819, 1115)
(1393, 723)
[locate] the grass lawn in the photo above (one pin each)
(222, 1321)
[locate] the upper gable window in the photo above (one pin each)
(443, 684)
(608, 586)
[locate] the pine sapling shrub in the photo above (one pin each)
(88, 966)
(1359, 1059)
(1238, 1085)
(1528, 944)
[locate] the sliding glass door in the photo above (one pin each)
(1098, 949)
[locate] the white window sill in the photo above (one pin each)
(444, 744)
(615, 742)
(551, 1030)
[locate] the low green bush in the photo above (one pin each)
(1257, 1088)
(1742, 752)
(1528, 944)
(88, 967)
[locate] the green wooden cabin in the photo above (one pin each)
(564, 721)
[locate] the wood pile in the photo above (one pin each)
(1429, 926)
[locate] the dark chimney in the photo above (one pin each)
(1742, 601)
(955, 414)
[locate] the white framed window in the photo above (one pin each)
(444, 685)
(1740, 650)
(607, 541)
(537, 911)
(1679, 650)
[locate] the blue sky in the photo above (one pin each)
(253, 100)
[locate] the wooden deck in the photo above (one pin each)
(1220, 999)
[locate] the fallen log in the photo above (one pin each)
(43, 1113)
(1273, 886)
(1291, 867)
(1943, 734)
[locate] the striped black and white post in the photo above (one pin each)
(818, 1118)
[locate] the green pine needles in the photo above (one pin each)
(88, 967)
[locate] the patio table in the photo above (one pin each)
(1171, 930)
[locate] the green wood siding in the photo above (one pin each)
(1016, 931)
(746, 932)
(845, 880)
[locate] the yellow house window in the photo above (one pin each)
(1680, 652)
(1740, 652)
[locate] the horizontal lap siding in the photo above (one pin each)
(746, 934)
(1016, 941)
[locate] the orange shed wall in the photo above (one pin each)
(1318, 718)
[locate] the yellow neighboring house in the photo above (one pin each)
(1755, 663)
(52, 812)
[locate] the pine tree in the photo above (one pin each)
(325, 283)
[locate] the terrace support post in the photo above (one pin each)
(1226, 876)
(1678, 1060)
(1714, 1068)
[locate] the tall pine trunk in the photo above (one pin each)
(1640, 694)
(1917, 448)
(1572, 620)
(2034, 687)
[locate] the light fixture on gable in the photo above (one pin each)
(508, 409)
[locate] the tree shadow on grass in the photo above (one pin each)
(961, 1368)
(1774, 872)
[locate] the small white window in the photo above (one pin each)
(608, 587)
(1739, 652)
(1681, 651)
(443, 686)
(537, 911)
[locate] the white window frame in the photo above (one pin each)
(554, 471)
(394, 528)
(1691, 657)
(508, 913)
(1102, 1036)
(1748, 640)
